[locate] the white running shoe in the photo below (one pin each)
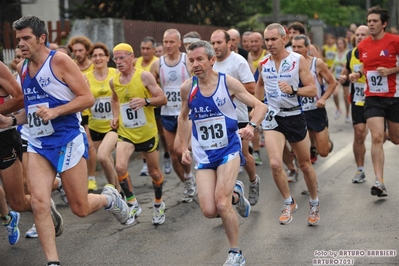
(118, 207)
(158, 215)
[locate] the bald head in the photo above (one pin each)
(256, 42)
(361, 33)
(235, 39)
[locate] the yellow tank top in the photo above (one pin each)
(101, 112)
(329, 54)
(140, 125)
(358, 93)
(140, 61)
(86, 112)
(255, 63)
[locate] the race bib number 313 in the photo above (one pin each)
(212, 133)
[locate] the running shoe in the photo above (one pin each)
(134, 211)
(167, 166)
(241, 170)
(190, 189)
(243, 206)
(235, 259)
(337, 114)
(57, 219)
(314, 215)
(379, 189)
(287, 211)
(258, 160)
(158, 215)
(61, 190)
(92, 185)
(144, 170)
(292, 175)
(253, 196)
(360, 177)
(313, 155)
(118, 206)
(347, 120)
(12, 228)
(32, 233)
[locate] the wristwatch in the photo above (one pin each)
(294, 90)
(147, 102)
(14, 120)
(253, 124)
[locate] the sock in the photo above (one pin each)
(109, 199)
(126, 185)
(288, 200)
(166, 155)
(314, 202)
(254, 182)
(257, 152)
(158, 185)
(234, 250)
(6, 219)
(53, 263)
(92, 177)
(133, 202)
(188, 176)
(360, 168)
(144, 161)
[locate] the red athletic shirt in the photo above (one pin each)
(380, 53)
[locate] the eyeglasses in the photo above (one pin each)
(121, 57)
(98, 55)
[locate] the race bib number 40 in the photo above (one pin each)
(37, 127)
(212, 133)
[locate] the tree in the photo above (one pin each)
(206, 12)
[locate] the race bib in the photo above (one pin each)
(308, 103)
(101, 109)
(37, 127)
(131, 118)
(338, 70)
(358, 96)
(173, 96)
(270, 122)
(212, 133)
(377, 83)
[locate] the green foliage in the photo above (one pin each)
(205, 12)
(330, 11)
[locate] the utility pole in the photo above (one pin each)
(276, 11)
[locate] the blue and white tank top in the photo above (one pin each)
(171, 78)
(45, 89)
(215, 126)
(309, 103)
(283, 104)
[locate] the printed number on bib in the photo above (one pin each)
(212, 133)
(358, 97)
(377, 83)
(308, 103)
(37, 127)
(131, 118)
(102, 109)
(173, 95)
(270, 122)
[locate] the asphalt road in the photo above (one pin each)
(352, 221)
